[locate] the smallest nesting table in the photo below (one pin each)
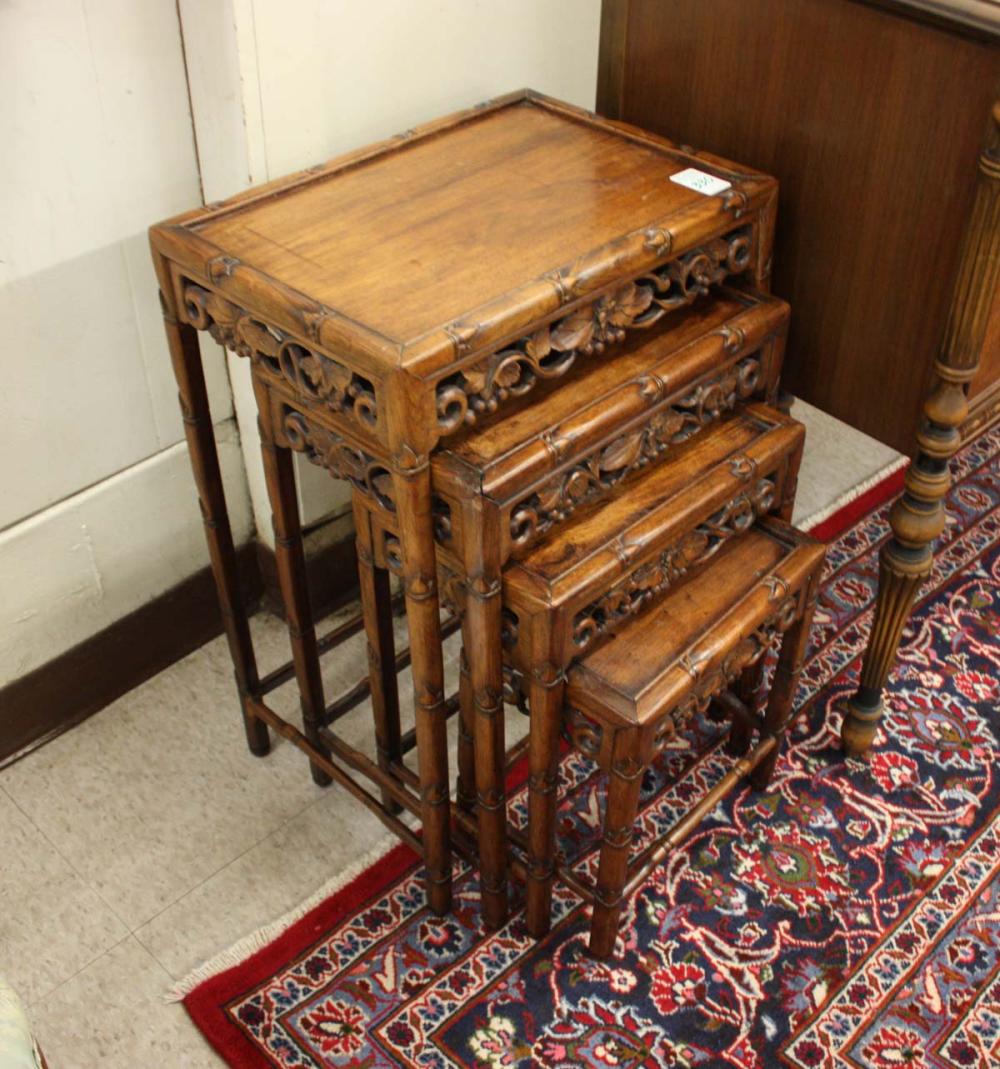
(394, 296)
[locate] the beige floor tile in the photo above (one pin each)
(270, 879)
(51, 923)
(112, 1015)
(155, 793)
(279, 873)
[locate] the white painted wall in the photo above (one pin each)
(97, 513)
(321, 77)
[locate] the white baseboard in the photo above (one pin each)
(71, 570)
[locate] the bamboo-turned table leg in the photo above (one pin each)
(749, 684)
(917, 518)
(376, 604)
(781, 700)
(481, 638)
(193, 395)
(279, 474)
(546, 687)
(412, 488)
(747, 688)
(465, 793)
(621, 809)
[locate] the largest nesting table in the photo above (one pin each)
(395, 295)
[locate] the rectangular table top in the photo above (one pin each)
(657, 657)
(474, 223)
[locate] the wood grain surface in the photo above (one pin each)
(872, 123)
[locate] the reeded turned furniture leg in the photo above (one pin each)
(466, 791)
(624, 783)
(545, 699)
(918, 517)
(279, 474)
(413, 506)
(376, 609)
(193, 396)
(481, 638)
(784, 684)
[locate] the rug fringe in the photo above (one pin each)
(263, 936)
(816, 518)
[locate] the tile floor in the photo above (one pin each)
(148, 839)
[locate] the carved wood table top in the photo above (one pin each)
(401, 292)
(424, 251)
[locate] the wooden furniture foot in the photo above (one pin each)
(902, 571)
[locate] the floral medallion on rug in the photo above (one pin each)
(848, 916)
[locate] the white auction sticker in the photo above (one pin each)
(700, 182)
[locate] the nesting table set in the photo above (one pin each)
(539, 347)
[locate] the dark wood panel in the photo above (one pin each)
(872, 123)
(611, 60)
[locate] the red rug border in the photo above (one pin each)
(203, 1002)
(852, 511)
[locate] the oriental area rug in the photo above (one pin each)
(848, 916)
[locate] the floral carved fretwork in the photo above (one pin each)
(340, 458)
(312, 375)
(708, 684)
(652, 578)
(475, 391)
(597, 473)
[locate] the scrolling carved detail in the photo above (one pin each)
(343, 460)
(594, 475)
(649, 580)
(476, 391)
(313, 376)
